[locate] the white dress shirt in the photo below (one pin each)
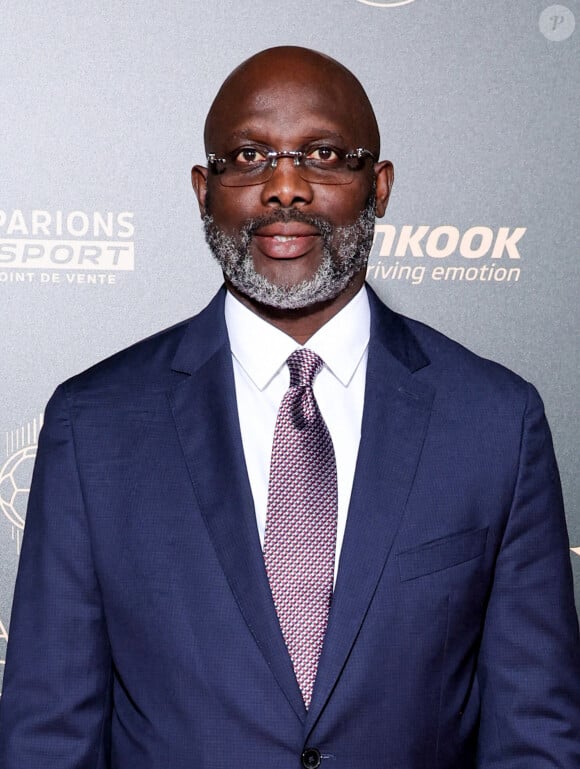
(260, 351)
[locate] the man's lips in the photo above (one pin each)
(286, 240)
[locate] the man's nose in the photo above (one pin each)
(286, 187)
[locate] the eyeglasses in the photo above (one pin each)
(319, 164)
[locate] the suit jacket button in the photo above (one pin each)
(311, 758)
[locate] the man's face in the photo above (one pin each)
(288, 242)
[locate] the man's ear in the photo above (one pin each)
(199, 184)
(384, 176)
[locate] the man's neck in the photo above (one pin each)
(302, 323)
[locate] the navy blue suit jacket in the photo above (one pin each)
(143, 633)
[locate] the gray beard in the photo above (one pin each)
(345, 252)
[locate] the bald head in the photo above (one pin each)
(262, 84)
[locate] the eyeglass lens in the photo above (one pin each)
(234, 178)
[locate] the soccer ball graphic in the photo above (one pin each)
(15, 485)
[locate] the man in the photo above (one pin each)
(390, 588)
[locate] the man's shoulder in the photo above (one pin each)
(463, 374)
(145, 363)
(157, 361)
(453, 369)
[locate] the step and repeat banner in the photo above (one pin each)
(102, 114)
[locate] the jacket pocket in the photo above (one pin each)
(441, 553)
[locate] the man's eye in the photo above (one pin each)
(248, 156)
(323, 155)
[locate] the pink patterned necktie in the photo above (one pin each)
(300, 539)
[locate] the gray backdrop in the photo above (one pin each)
(101, 118)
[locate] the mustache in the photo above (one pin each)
(285, 215)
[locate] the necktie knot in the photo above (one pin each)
(303, 365)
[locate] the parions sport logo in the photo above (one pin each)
(15, 475)
(386, 3)
(65, 246)
(446, 254)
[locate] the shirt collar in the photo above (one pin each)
(261, 349)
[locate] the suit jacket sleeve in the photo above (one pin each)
(55, 708)
(529, 664)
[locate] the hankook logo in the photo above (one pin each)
(386, 3)
(446, 254)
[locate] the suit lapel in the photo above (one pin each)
(396, 414)
(205, 413)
